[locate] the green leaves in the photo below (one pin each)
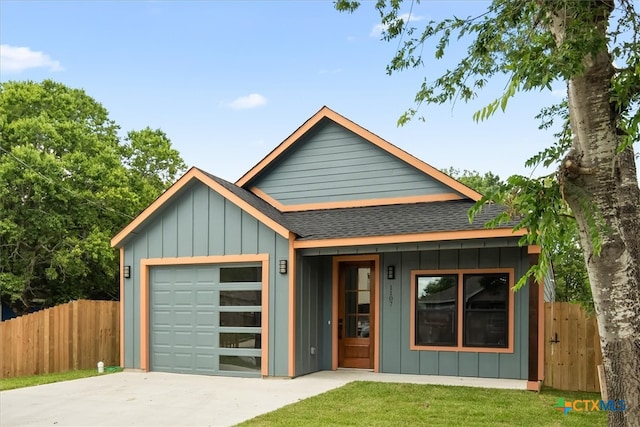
(70, 186)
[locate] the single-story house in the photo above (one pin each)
(337, 250)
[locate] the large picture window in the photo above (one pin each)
(463, 310)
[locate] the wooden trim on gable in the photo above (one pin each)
(326, 112)
(409, 238)
(444, 197)
(191, 174)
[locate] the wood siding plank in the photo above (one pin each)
(334, 164)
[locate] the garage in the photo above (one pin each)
(206, 319)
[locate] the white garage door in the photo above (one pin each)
(206, 319)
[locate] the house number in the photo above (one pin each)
(390, 295)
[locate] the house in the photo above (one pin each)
(338, 249)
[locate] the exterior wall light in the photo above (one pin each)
(282, 266)
(126, 271)
(391, 272)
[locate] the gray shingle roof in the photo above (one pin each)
(252, 199)
(389, 220)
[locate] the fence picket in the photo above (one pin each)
(572, 362)
(61, 338)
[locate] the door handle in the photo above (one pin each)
(340, 323)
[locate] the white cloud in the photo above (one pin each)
(15, 59)
(406, 17)
(559, 93)
(253, 100)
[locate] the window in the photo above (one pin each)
(436, 310)
(486, 301)
(464, 310)
(240, 274)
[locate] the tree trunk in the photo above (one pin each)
(600, 184)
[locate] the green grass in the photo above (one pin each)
(29, 381)
(385, 404)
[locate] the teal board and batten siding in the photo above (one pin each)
(395, 306)
(333, 164)
(200, 222)
(313, 314)
(549, 286)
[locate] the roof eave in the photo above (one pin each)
(194, 173)
(410, 238)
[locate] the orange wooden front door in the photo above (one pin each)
(355, 314)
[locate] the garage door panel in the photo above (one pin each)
(183, 339)
(167, 275)
(205, 318)
(183, 361)
(162, 339)
(183, 298)
(162, 297)
(160, 318)
(205, 360)
(205, 339)
(183, 318)
(204, 297)
(186, 320)
(163, 361)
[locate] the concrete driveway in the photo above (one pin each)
(159, 399)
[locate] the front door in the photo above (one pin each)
(355, 314)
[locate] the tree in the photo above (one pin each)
(594, 47)
(151, 161)
(567, 259)
(69, 185)
(572, 280)
(483, 184)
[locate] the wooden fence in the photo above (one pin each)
(572, 348)
(70, 336)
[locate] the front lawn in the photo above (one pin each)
(388, 404)
(28, 381)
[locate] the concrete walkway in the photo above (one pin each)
(159, 399)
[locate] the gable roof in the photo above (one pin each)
(242, 198)
(326, 113)
(399, 220)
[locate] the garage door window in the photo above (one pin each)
(239, 298)
(240, 363)
(240, 274)
(241, 319)
(240, 337)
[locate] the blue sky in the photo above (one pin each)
(229, 80)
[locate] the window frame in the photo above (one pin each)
(459, 347)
